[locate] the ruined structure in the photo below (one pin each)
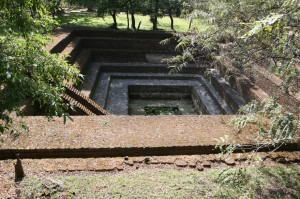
(129, 105)
(125, 73)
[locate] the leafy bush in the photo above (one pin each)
(28, 71)
(247, 33)
(276, 126)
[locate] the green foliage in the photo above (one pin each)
(29, 72)
(173, 6)
(276, 126)
(55, 7)
(250, 32)
(247, 33)
(108, 6)
(153, 8)
(89, 4)
(225, 147)
(133, 6)
(237, 178)
(111, 7)
(27, 15)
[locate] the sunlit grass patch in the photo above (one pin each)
(262, 182)
(90, 20)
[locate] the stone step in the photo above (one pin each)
(79, 108)
(150, 68)
(101, 89)
(67, 35)
(121, 34)
(124, 43)
(260, 85)
(120, 46)
(84, 102)
(232, 98)
(84, 56)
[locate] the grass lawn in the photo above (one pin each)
(90, 20)
(261, 182)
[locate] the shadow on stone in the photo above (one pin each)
(19, 171)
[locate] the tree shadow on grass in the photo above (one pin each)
(283, 182)
(82, 20)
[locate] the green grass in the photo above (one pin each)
(262, 182)
(91, 20)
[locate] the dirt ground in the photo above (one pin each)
(50, 184)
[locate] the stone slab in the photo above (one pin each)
(120, 135)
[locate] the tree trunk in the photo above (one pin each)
(190, 24)
(114, 16)
(154, 21)
(54, 8)
(127, 19)
(139, 25)
(132, 21)
(172, 20)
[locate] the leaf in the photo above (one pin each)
(265, 24)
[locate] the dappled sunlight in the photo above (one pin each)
(90, 20)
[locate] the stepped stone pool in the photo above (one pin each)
(125, 73)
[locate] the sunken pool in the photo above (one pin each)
(125, 73)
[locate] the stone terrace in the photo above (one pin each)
(125, 75)
(119, 68)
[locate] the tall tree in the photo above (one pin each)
(111, 7)
(187, 7)
(153, 8)
(171, 7)
(55, 7)
(155, 14)
(133, 7)
(89, 4)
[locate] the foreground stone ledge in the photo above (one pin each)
(117, 136)
(124, 131)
